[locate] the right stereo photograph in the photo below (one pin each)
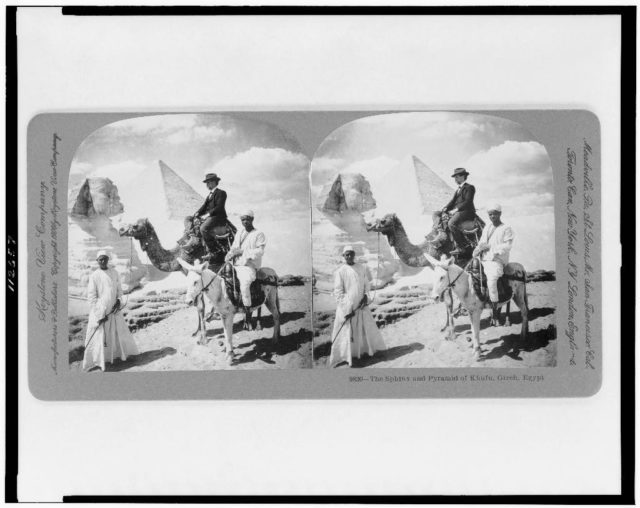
(433, 244)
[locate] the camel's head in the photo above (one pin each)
(138, 230)
(195, 279)
(441, 276)
(384, 225)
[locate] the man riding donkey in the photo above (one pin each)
(493, 250)
(246, 255)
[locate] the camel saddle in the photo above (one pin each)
(479, 278)
(472, 229)
(232, 284)
(192, 237)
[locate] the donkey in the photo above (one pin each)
(202, 281)
(448, 275)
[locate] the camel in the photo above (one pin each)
(435, 246)
(202, 281)
(451, 276)
(163, 259)
(410, 254)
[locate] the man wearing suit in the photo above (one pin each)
(212, 212)
(460, 208)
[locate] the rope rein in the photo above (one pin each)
(451, 284)
(204, 287)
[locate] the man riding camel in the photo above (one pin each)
(460, 209)
(212, 212)
(246, 254)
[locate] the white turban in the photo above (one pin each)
(247, 213)
(495, 208)
(348, 248)
(101, 253)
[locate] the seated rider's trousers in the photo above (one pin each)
(246, 275)
(493, 270)
(206, 228)
(454, 226)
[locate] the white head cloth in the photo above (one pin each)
(102, 253)
(495, 208)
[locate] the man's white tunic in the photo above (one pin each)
(360, 335)
(112, 339)
(499, 239)
(252, 244)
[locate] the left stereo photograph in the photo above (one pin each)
(187, 247)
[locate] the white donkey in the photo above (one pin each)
(201, 280)
(449, 275)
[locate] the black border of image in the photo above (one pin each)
(627, 238)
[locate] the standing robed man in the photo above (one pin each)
(108, 337)
(355, 332)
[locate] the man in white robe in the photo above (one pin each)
(246, 254)
(493, 249)
(108, 337)
(355, 332)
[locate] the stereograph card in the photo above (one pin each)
(324, 207)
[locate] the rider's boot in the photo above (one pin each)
(458, 250)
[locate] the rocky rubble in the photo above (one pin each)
(541, 276)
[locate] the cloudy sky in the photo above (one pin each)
(260, 165)
(506, 165)
(256, 159)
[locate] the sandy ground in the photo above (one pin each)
(418, 342)
(169, 345)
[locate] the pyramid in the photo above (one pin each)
(434, 191)
(159, 192)
(182, 199)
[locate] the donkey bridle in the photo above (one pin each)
(204, 288)
(452, 283)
